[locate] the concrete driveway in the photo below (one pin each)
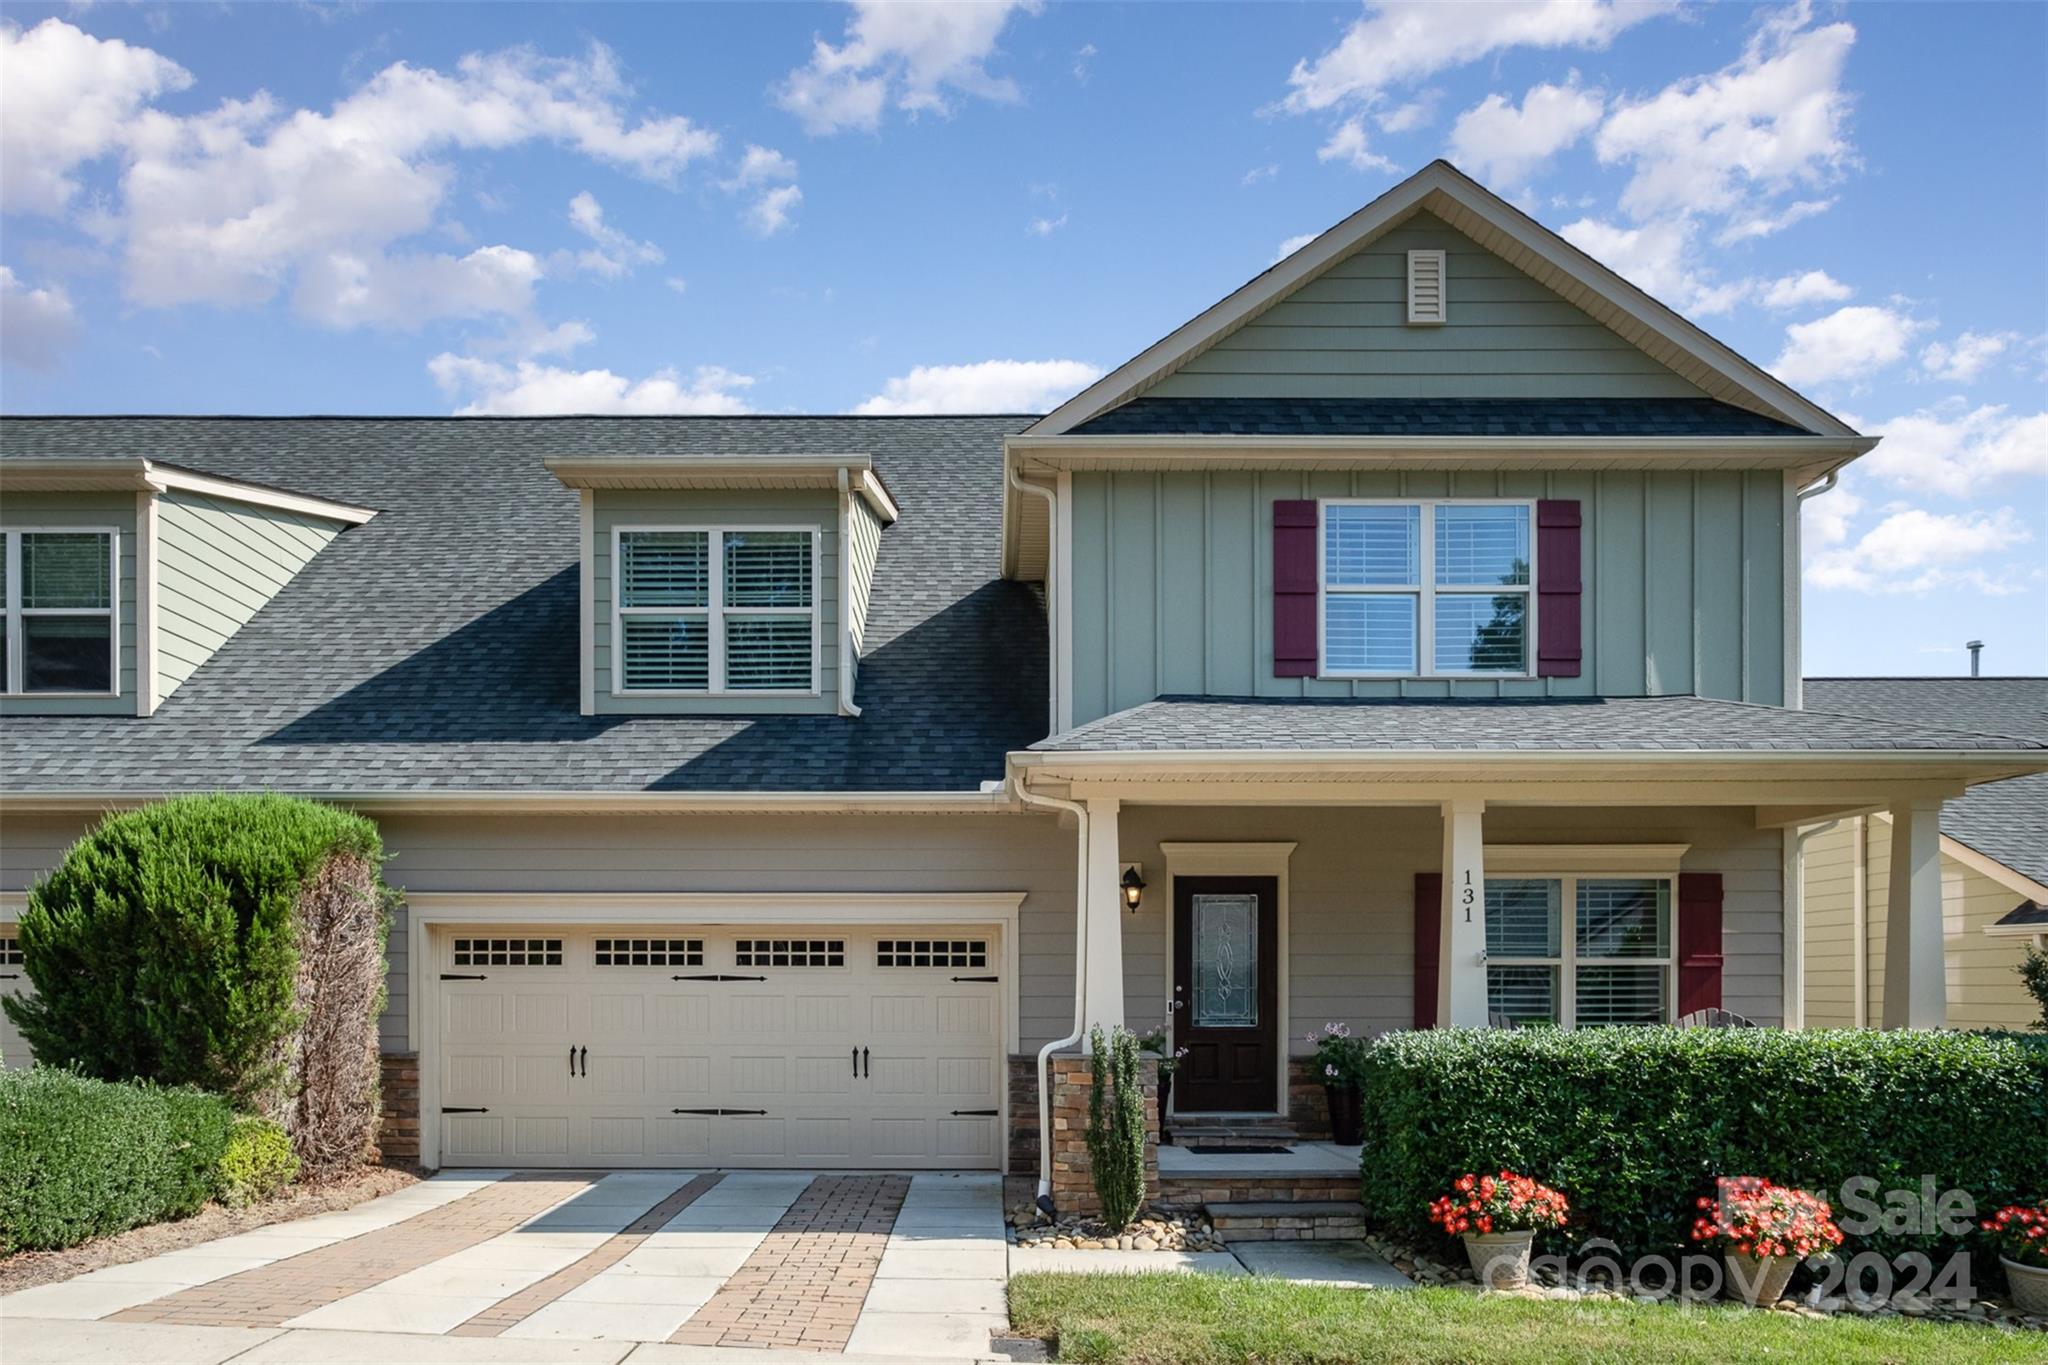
(662, 1267)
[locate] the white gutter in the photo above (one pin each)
(534, 801)
(1052, 634)
(846, 702)
(2031, 759)
(1795, 626)
(1080, 813)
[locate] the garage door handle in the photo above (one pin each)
(976, 978)
(865, 1069)
(586, 1061)
(572, 1059)
(718, 1112)
(718, 976)
(856, 1061)
(457, 976)
(974, 1113)
(459, 1110)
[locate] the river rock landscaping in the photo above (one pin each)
(1158, 1228)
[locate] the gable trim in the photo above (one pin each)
(1441, 188)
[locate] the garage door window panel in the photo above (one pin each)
(508, 952)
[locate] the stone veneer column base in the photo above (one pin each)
(1023, 1134)
(398, 1126)
(1308, 1109)
(1073, 1186)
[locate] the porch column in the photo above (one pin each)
(1915, 960)
(1461, 956)
(1102, 996)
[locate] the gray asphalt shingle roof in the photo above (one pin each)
(2005, 821)
(1621, 724)
(1433, 417)
(435, 648)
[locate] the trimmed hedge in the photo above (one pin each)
(81, 1158)
(258, 1163)
(1634, 1124)
(232, 942)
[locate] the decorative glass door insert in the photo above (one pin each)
(1226, 953)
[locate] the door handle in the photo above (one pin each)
(572, 1059)
(586, 1061)
(865, 1070)
(856, 1062)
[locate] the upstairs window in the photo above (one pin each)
(59, 591)
(1426, 589)
(716, 611)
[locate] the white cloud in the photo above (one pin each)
(1258, 173)
(1915, 551)
(677, 283)
(66, 98)
(1825, 521)
(230, 205)
(774, 210)
(761, 166)
(1796, 291)
(1954, 449)
(1396, 42)
(1084, 58)
(1658, 259)
(343, 288)
(990, 386)
(1504, 146)
(1726, 142)
(1419, 112)
(532, 390)
(1348, 143)
(1045, 227)
(1962, 360)
(613, 253)
(1848, 343)
(911, 54)
(1763, 224)
(1292, 245)
(37, 326)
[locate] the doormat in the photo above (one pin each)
(1210, 1149)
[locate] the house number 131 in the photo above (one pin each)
(1465, 895)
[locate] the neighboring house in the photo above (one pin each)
(1994, 864)
(1418, 625)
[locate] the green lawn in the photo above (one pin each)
(1213, 1320)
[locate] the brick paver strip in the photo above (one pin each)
(803, 1287)
(509, 1312)
(271, 1295)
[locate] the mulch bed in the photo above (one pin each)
(25, 1269)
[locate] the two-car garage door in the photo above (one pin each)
(717, 1045)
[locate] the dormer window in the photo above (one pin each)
(715, 611)
(59, 591)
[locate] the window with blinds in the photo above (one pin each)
(716, 610)
(58, 587)
(1614, 966)
(1426, 589)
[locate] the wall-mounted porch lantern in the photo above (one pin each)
(1133, 887)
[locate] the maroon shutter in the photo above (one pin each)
(1294, 589)
(1699, 941)
(1429, 916)
(1557, 588)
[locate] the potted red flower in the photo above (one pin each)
(1498, 1217)
(1765, 1231)
(2021, 1231)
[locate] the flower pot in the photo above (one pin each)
(1347, 1125)
(1165, 1102)
(1758, 1281)
(1500, 1259)
(2029, 1285)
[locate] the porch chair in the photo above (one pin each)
(1716, 1017)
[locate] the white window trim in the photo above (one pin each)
(12, 685)
(1424, 592)
(1568, 962)
(714, 611)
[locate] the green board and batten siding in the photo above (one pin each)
(776, 507)
(1345, 334)
(218, 563)
(100, 511)
(865, 533)
(1173, 584)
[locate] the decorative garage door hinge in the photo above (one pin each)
(718, 1112)
(458, 976)
(974, 1113)
(459, 1109)
(976, 978)
(718, 976)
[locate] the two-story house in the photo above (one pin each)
(1410, 638)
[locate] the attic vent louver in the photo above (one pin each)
(1426, 303)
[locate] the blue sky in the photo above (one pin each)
(823, 208)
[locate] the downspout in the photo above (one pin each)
(1080, 813)
(1052, 633)
(1795, 573)
(846, 659)
(1795, 927)
(1859, 921)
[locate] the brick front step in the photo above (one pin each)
(1233, 1188)
(1287, 1221)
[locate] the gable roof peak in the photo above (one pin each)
(1498, 226)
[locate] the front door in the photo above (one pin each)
(1226, 994)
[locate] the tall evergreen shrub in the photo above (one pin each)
(1116, 1125)
(234, 943)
